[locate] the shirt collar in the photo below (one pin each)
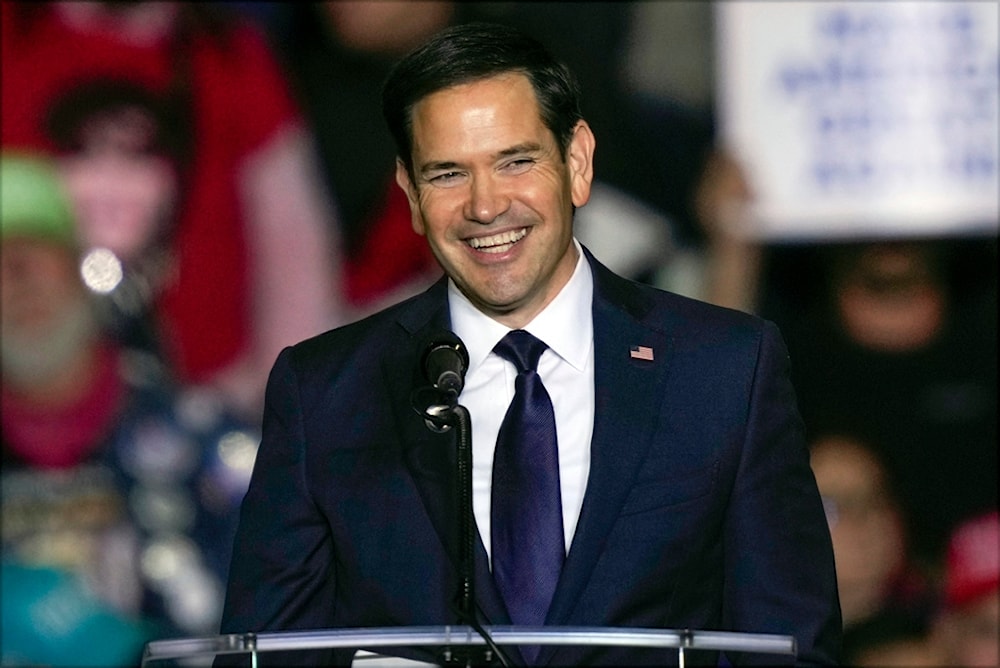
(573, 304)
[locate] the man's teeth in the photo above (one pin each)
(498, 243)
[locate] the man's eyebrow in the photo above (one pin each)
(518, 149)
(444, 165)
(449, 165)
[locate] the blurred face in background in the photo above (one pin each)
(386, 26)
(968, 623)
(867, 531)
(890, 296)
(971, 633)
(122, 193)
(136, 22)
(45, 313)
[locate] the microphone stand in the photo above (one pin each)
(441, 418)
(467, 529)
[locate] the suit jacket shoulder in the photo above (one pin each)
(667, 311)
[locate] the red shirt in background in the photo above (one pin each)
(239, 101)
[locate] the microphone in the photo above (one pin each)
(445, 362)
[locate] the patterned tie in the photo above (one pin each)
(526, 516)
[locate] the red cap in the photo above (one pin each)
(973, 568)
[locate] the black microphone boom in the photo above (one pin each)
(445, 362)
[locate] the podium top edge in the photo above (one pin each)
(396, 636)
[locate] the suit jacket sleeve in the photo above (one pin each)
(779, 557)
(282, 575)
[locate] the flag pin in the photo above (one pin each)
(641, 353)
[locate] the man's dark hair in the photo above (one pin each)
(471, 52)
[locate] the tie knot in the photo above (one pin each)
(522, 349)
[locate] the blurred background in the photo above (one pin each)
(189, 187)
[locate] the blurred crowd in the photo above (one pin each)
(189, 187)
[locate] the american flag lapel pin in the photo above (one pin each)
(641, 353)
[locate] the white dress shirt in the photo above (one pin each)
(567, 369)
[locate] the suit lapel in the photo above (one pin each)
(627, 395)
(430, 457)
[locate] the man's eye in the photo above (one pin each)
(519, 165)
(445, 179)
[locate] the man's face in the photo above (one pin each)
(493, 195)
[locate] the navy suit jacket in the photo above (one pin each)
(701, 511)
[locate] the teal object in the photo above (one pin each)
(49, 618)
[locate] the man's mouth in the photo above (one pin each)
(498, 243)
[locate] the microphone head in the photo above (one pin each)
(445, 361)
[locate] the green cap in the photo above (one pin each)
(32, 200)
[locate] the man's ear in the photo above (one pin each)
(580, 161)
(406, 184)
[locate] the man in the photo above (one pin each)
(684, 492)
(118, 488)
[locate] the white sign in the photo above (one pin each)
(863, 119)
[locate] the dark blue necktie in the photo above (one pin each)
(526, 507)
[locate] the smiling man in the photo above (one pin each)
(637, 457)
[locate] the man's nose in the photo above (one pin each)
(487, 200)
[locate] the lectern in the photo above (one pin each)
(381, 641)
